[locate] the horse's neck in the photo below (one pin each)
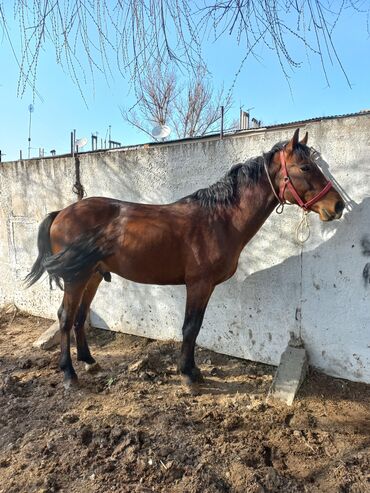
(254, 207)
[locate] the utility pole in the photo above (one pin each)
(31, 110)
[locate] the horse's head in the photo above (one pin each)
(300, 181)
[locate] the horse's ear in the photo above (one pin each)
(292, 144)
(305, 139)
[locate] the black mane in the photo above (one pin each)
(226, 191)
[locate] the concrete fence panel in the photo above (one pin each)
(318, 291)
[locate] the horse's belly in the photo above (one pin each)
(147, 270)
(150, 277)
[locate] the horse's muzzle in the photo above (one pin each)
(326, 216)
(339, 208)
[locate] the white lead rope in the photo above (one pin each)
(303, 231)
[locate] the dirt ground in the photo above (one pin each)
(134, 428)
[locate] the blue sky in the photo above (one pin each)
(261, 85)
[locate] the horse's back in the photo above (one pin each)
(144, 242)
(82, 218)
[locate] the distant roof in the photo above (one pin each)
(228, 133)
(318, 118)
(216, 135)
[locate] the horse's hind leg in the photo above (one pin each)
(66, 313)
(83, 351)
(196, 303)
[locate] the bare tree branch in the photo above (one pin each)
(100, 35)
(198, 108)
(192, 109)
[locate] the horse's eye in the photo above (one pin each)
(305, 167)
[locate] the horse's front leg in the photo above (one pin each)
(198, 295)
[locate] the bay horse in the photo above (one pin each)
(195, 241)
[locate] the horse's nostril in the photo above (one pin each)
(339, 206)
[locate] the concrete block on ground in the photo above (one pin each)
(51, 336)
(290, 374)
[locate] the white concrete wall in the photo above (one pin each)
(252, 314)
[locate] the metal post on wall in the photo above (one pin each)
(31, 110)
(114, 144)
(73, 142)
(222, 122)
(244, 120)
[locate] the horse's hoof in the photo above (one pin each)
(192, 376)
(196, 376)
(70, 383)
(192, 381)
(192, 388)
(93, 367)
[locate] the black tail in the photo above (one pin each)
(79, 258)
(44, 247)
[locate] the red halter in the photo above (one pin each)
(287, 182)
